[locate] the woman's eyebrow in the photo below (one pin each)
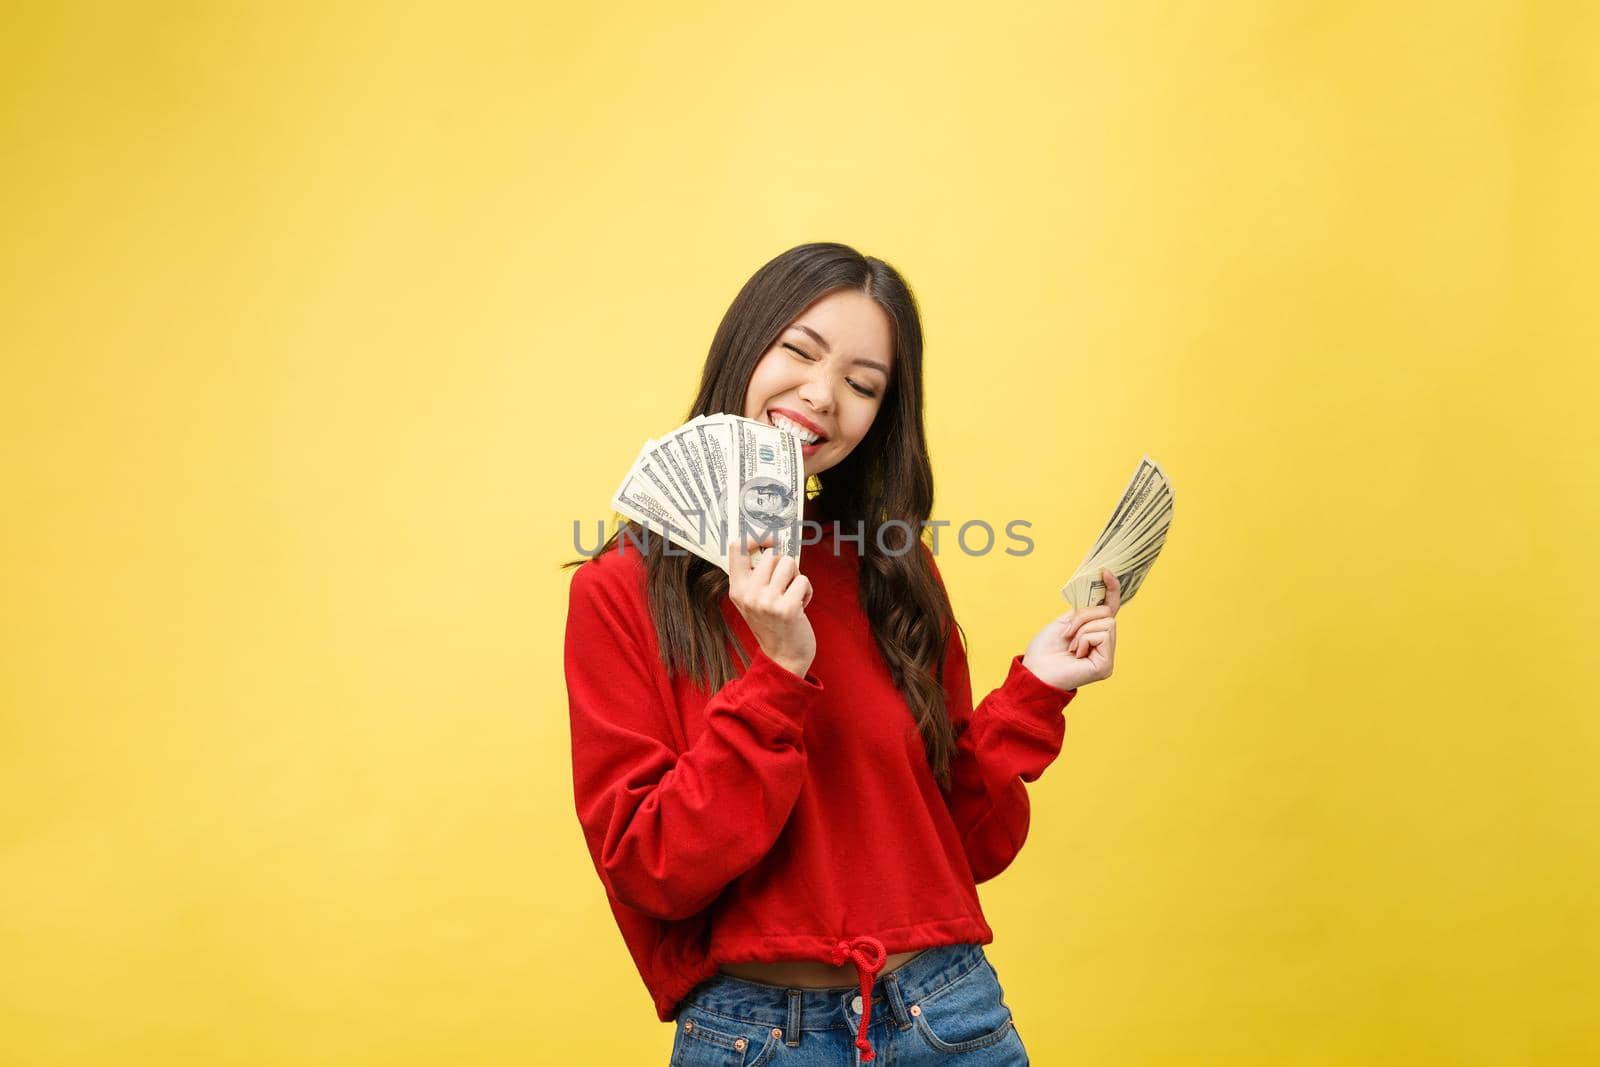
(817, 337)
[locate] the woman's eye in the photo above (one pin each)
(863, 390)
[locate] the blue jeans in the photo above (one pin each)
(944, 1006)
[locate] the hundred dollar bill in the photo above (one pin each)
(714, 436)
(684, 454)
(713, 475)
(640, 498)
(1130, 542)
(667, 474)
(766, 494)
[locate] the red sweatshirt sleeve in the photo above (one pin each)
(1013, 734)
(669, 829)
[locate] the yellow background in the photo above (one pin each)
(321, 327)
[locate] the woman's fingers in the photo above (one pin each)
(1113, 589)
(1088, 615)
(766, 564)
(784, 572)
(1092, 639)
(799, 591)
(769, 579)
(744, 575)
(1071, 619)
(752, 569)
(1093, 626)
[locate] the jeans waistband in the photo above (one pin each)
(798, 1008)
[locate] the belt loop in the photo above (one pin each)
(897, 1005)
(791, 1035)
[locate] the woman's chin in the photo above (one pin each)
(818, 464)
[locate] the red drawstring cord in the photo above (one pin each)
(868, 964)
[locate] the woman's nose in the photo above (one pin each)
(818, 393)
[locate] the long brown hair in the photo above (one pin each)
(885, 477)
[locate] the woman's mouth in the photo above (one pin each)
(810, 440)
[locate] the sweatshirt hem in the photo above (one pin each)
(910, 938)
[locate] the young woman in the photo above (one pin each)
(778, 839)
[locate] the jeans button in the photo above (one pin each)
(855, 1004)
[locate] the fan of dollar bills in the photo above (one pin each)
(1129, 544)
(713, 475)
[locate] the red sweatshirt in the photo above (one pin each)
(787, 817)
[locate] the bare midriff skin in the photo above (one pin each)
(809, 974)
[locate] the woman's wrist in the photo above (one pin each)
(795, 667)
(793, 664)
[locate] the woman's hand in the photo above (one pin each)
(772, 597)
(1077, 648)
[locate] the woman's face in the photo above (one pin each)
(828, 372)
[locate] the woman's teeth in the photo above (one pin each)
(795, 428)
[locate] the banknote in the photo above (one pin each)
(714, 475)
(767, 493)
(685, 471)
(1130, 542)
(642, 498)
